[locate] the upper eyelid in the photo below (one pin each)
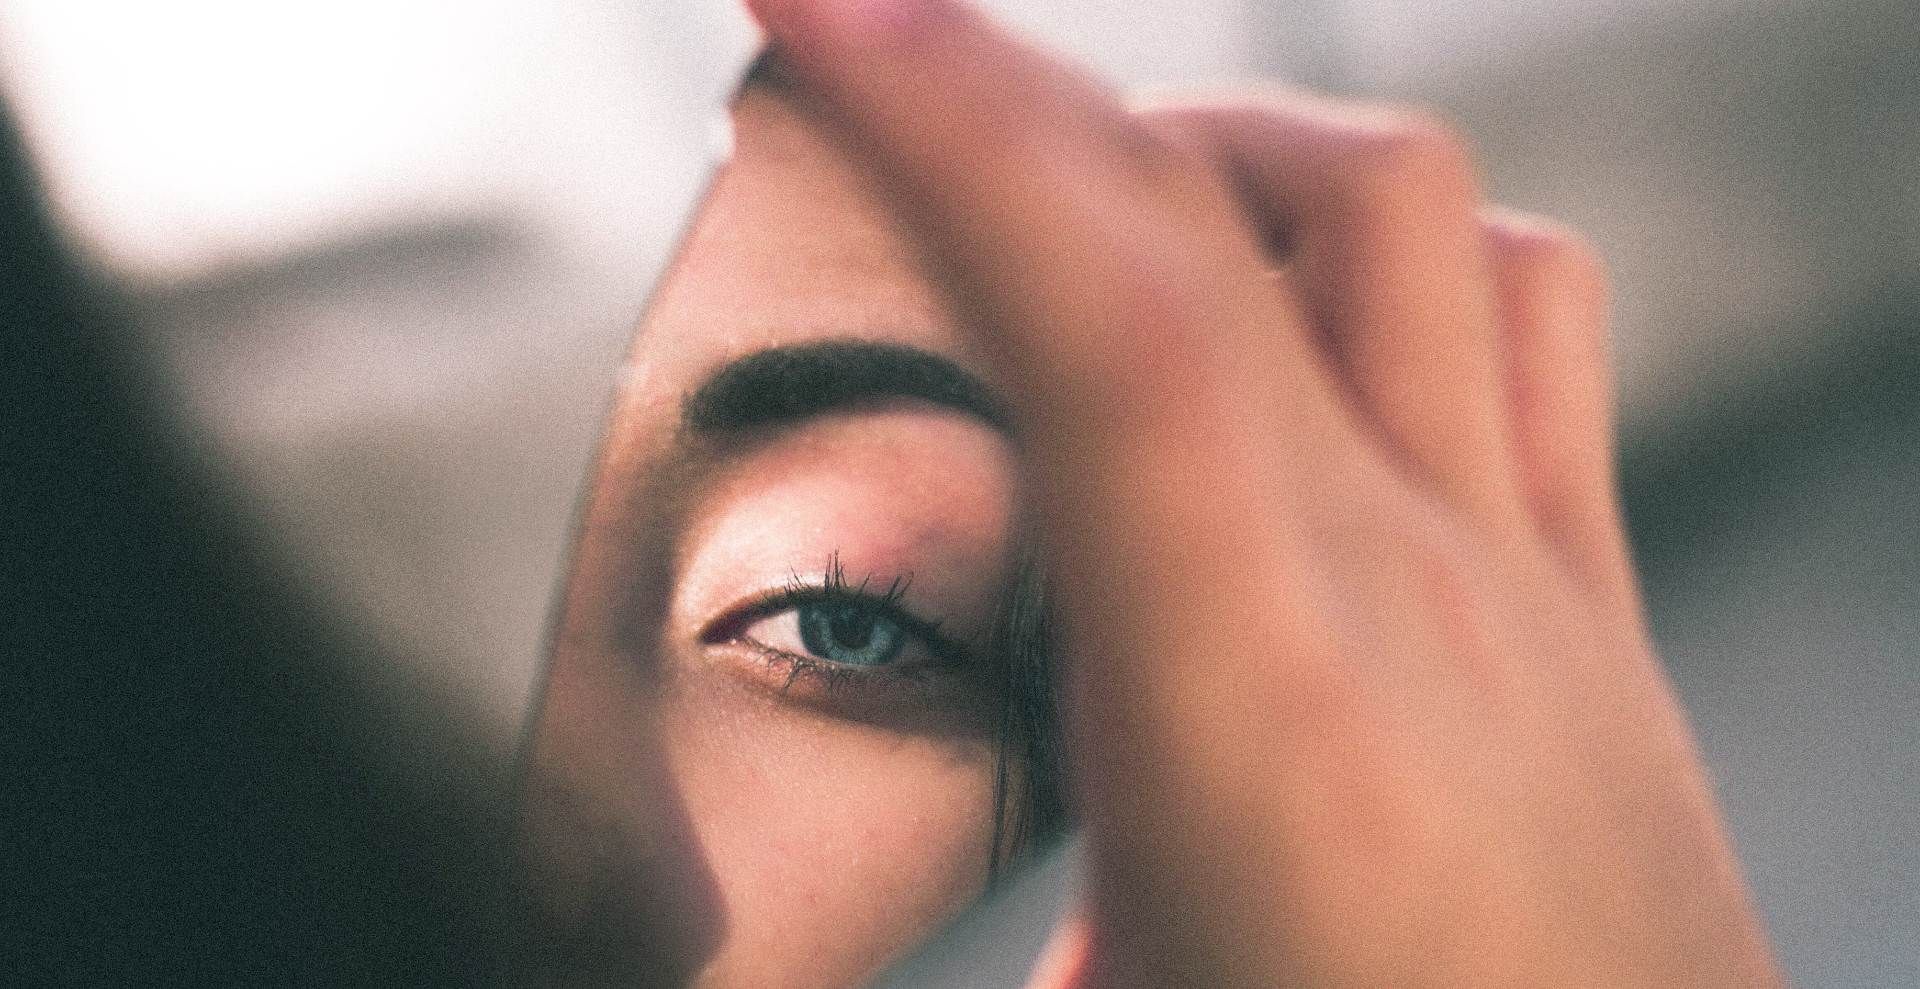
(746, 517)
(945, 648)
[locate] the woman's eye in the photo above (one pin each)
(849, 633)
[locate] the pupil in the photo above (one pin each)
(850, 628)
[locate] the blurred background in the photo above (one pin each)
(356, 238)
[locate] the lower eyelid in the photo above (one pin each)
(796, 666)
(819, 682)
(898, 669)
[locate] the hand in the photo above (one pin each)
(1357, 689)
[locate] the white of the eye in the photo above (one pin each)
(780, 630)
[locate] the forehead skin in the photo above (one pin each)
(696, 834)
(794, 245)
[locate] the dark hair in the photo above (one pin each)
(1028, 799)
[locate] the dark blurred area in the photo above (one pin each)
(195, 794)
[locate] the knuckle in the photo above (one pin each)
(1400, 151)
(1178, 167)
(1170, 151)
(1188, 118)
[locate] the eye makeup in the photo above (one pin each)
(856, 564)
(834, 636)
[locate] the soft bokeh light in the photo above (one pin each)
(181, 135)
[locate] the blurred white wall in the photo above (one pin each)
(1145, 44)
(182, 137)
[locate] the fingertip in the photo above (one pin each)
(1541, 260)
(1067, 960)
(791, 22)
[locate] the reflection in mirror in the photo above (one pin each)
(799, 711)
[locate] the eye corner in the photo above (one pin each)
(731, 625)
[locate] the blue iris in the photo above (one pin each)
(849, 633)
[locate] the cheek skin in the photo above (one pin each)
(834, 850)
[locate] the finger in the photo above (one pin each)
(1559, 386)
(1379, 215)
(1109, 269)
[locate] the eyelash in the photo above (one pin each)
(832, 587)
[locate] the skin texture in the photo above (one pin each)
(691, 817)
(1384, 711)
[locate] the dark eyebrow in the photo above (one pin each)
(783, 385)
